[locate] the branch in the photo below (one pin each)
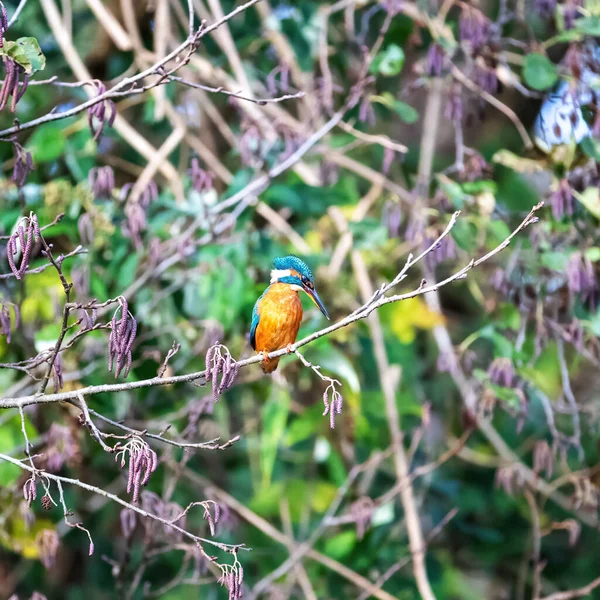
(362, 313)
(96, 490)
(579, 593)
(118, 90)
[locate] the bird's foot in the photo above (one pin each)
(290, 348)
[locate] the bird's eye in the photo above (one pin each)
(304, 280)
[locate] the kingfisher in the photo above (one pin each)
(277, 313)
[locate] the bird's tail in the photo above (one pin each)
(268, 365)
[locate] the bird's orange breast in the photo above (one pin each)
(280, 313)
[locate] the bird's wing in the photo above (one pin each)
(255, 320)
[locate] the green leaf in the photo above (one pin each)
(127, 271)
(477, 187)
(590, 198)
(274, 417)
(388, 62)
(336, 362)
(341, 544)
(11, 437)
(517, 163)
(539, 72)
(47, 143)
(453, 190)
(368, 233)
(405, 111)
(26, 52)
(591, 147)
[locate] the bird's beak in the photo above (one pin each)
(312, 294)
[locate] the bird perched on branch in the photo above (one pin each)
(277, 313)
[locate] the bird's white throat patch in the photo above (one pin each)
(277, 274)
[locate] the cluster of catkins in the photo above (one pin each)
(202, 181)
(233, 579)
(99, 112)
(136, 211)
(101, 181)
(333, 406)
(217, 364)
(23, 165)
(121, 340)
(142, 463)
(12, 85)
(22, 240)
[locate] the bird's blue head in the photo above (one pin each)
(295, 272)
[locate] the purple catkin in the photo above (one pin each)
(131, 474)
(208, 517)
(366, 114)
(215, 386)
(58, 374)
(3, 24)
(474, 28)
(111, 351)
(37, 232)
(154, 458)
(86, 320)
(127, 518)
(27, 251)
(127, 365)
(5, 322)
(30, 490)
(435, 60)
(21, 234)
(23, 165)
(11, 250)
(123, 320)
(208, 361)
(8, 79)
(136, 487)
(232, 374)
(226, 372)
(388, 158)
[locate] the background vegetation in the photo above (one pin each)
(464, 463)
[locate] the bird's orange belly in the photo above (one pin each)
(280, 318)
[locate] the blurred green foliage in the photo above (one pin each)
(288, 461)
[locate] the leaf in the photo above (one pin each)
(517, 163)
(406, 112)
(34, 53)
(412, 314)
(388, 62)
(26, 52)
(453, 190)
(323, 495)
(341, 544)
(47, 143)
(127, 270)
(539, 72)
(591, 147)
(590, 198)
(274, 417)
(21, 539)
(368, 233)
(334, 361)
(11, 437)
